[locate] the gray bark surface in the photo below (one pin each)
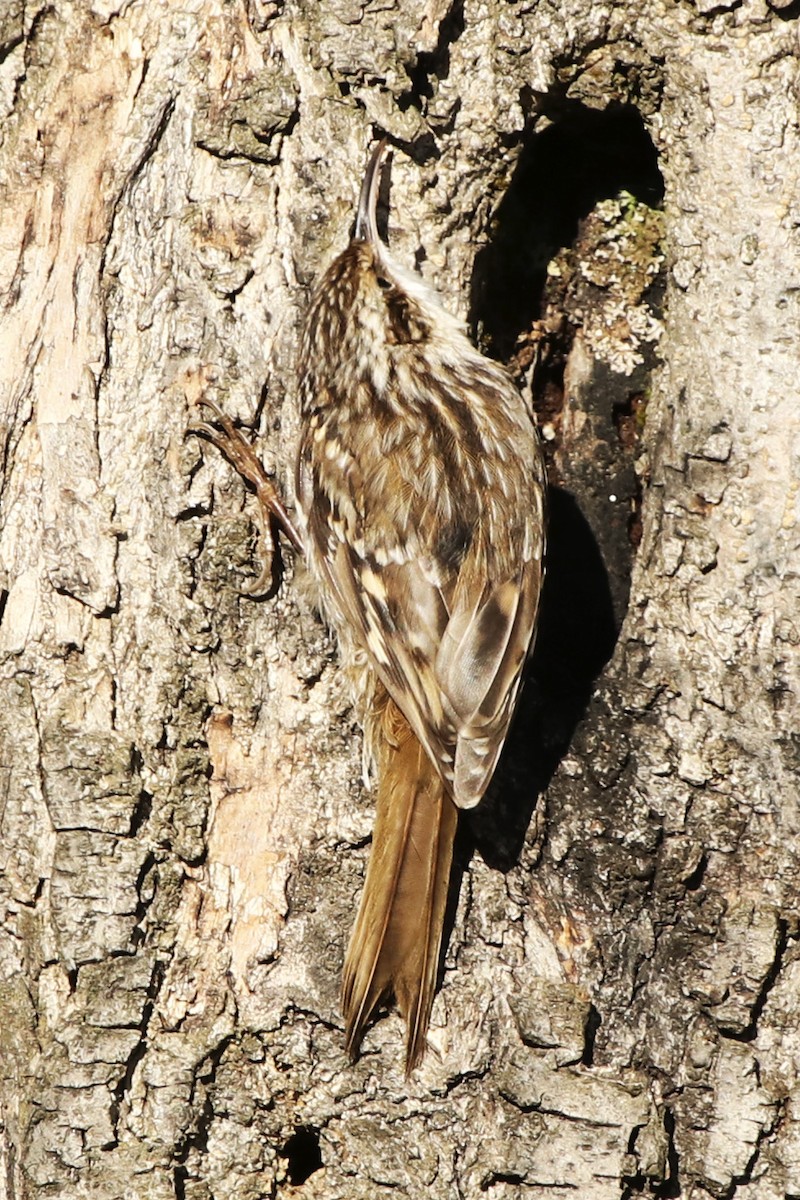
(183, 829)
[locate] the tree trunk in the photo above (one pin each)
(184, 830)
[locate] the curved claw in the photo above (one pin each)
(265, 581)
(241, 455)
(263, 585)
(219, 413)
(205, 428)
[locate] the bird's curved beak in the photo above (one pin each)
(366, 215)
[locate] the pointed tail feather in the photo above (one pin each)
(395, 944)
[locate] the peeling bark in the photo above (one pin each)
(609, 197)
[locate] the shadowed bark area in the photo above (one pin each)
(609, 198)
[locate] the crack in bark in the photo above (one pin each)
(770, 979)
(120, 1092)
(434, 62)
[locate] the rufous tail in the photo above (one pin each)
(397, 936)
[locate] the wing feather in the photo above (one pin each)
(446, 623)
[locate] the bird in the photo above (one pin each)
(421, 497)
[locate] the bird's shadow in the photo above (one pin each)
(576, 635)
(577, 631)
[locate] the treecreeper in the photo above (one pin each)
(420, 489)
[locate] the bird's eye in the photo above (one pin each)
(384, 283)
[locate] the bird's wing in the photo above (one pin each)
(446, 638)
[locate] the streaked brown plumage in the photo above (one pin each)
(420, 484)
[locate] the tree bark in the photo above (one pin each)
(609, 197)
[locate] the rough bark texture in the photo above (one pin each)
(183, 826)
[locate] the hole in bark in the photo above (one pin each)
(303, 1155)
(583, 200)
(694, 880)
(593, 1023)
(500, 1177)
(585, 156)
(141, 813)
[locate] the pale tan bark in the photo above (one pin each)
(183, 825)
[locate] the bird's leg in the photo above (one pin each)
(271, 508)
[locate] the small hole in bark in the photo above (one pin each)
(303, 1155)
(694, 880)
(593, 1023)
(499, 1178)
